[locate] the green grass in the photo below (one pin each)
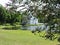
(23, 37)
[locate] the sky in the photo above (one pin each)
(3, 2)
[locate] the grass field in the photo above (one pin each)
(23, 37)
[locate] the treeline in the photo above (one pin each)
(8, 16)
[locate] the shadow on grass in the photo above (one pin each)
(14, 28)
(11, 28)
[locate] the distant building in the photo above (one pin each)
(33, 20)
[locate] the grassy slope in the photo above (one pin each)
(20, 37)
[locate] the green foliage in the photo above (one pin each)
(8, 16)
(3, 14)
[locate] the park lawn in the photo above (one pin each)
(23, 37)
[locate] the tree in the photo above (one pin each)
(46, 10)
(7, 16)
(49, 13)
(3, 14)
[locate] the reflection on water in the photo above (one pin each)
(41, 27)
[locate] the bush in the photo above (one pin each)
(49, 36)
(59, 39)
(7, 24)
(8, 28)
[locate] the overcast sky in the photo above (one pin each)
(3, 2)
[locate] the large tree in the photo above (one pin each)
(47, 11)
